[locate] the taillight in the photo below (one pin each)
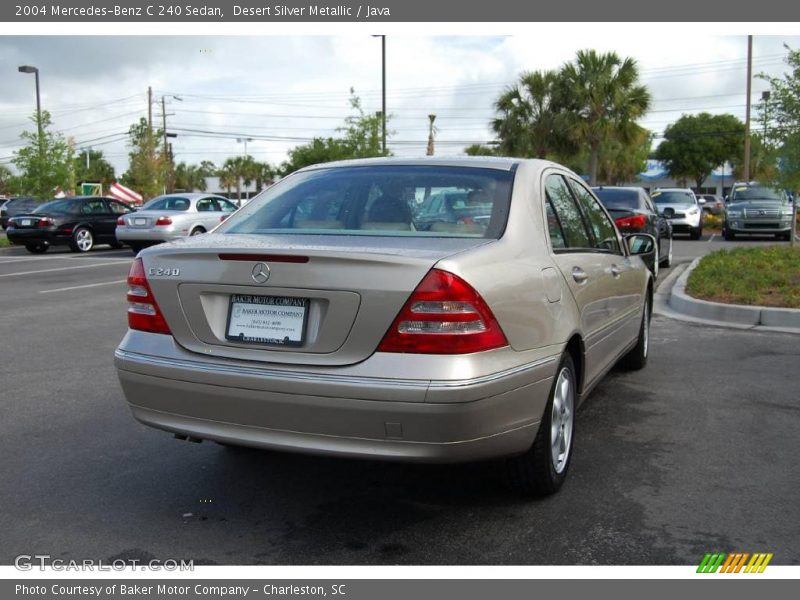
(121, 221)
(46, 222)
(635, 222)
(143, 311)
(444, 315)
(164, 221)
(222, 218)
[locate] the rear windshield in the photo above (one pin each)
(672, 198)
(756, 192)
(59, 206)
(412, 201)
(617, 199)
(168, 203)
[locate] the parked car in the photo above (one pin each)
(321, 318)
(172, 217)
(16, 206)
(757, 209)
(714, 205)
(633, 211)
(682, 208)
(80, 223)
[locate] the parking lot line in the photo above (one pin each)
(16, 259)
(103, 264)
(79, 287)
(711, 239)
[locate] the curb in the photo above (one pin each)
(679, 304)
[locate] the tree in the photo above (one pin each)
(603, 99)
(99, 168)
(7, 180)
(695, 145)
(480, 150)
(44, 164)
(784, 112)
(147, 168)
(190, 177)
(532, 121)
(361, 138)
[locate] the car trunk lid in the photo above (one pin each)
(333, 296)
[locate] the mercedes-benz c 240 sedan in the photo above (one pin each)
(325, 317)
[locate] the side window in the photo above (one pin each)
(566, 211)
(649, 203)
(604, 231)
(118, 208)
(205, 205)
(226, 206)
(556, 233)
(94, 207)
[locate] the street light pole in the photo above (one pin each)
(746, 167)
(239, 141)
(29, 69)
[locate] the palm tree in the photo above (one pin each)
(604, 99)
(228, 177)
(531, 116)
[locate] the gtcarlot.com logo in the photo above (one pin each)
(735, 562)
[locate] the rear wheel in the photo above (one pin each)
(543, 468)
(82, 240)
(136, 248)
(115, 245)
(197, 231)
(636, 358)
(38, 248)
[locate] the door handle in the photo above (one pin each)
(616, 271)
(579, 275)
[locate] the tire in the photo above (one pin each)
(82, 240)
(786, 237)
(135, 248)
(543, 468)
(197, 231)
(666, 261)
(116, 245)
(636, 358)
(38, 248)
(729, 235)
(696, 234)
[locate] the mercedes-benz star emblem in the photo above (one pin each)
(260, 272)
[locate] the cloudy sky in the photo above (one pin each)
(281, 91)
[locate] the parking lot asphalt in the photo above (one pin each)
(693, 454)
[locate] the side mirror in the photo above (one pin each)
(701, 200)
(640, 243)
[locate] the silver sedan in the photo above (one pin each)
(171, 217)
(348, 311)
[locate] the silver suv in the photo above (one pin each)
(757, 209)
(682, 208)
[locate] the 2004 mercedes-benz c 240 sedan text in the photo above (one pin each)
(326, 317)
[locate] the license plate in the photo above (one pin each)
(274, 320)
(26, 222)
(140, 221)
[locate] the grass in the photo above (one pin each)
(4, 243)
(763, 276)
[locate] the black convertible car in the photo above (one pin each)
(79, 223)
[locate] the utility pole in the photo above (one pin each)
(765, 100)
(746, 168)
(383, 86)
(429, 151)
(150, 108)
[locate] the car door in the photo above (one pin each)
(117, 209)
(624, 300)
(96, 213)
(208, 212)
(588, 269)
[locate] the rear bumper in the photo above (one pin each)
(344, 415)
(154, 235)
(21, 237)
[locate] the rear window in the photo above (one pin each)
(412, 201)
(617, 199)
(168, 203)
